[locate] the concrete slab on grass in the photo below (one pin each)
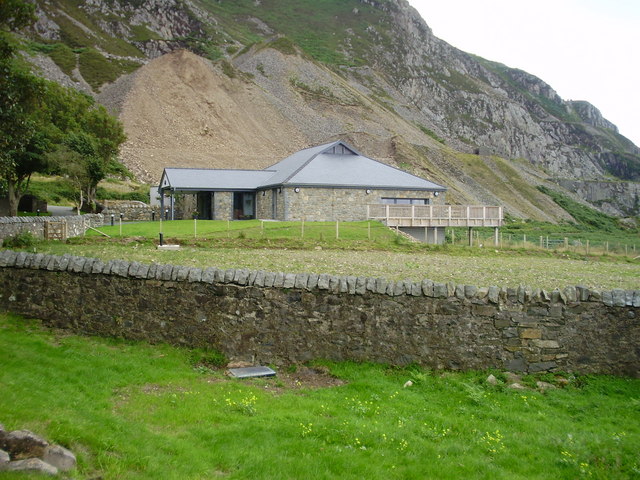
(168, 247)
(252, 372)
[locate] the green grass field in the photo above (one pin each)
(362, 249)
(134, 411)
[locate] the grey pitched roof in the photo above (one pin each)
(199, 179)
(315, 166)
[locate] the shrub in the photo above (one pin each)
(207, 358)
(24, 239)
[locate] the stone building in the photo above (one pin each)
(325, 183)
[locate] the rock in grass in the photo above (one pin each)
(23, 444)
(4, 457)
(59, 457)
(542, 386)
(492, 380)
(29, 465)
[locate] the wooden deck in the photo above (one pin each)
(437, 215)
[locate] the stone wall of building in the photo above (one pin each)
(76, 225)
(345, 204)
(265, 206)
(223, 205)
(268, 317)
(131, 211)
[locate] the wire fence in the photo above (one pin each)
(573, 244)
(371, 231)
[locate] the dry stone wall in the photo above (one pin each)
(274, 317)
(76, 224)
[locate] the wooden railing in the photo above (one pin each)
(436, 215)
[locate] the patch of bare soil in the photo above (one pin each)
(307, 378)
(303, 378)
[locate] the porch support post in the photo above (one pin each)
(172, 205)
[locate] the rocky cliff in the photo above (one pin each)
(274, 76)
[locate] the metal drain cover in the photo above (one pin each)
(252, 372)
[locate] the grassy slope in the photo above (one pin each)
(318, 27)
(134, 411)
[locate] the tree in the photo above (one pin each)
(89, 140)
(23, 140)
(38, 117)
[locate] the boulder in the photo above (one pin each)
(4, 457)
(492, 380)
(59, 457)
(23, 444)
(29, 465)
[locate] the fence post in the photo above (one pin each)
(302, 229)
(195, 227)
(337, 230)
(541, 244)
(587, 247)
(369, 230)
(566, 243)
(524, 240)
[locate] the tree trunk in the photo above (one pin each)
(91, 197)
(14, 195)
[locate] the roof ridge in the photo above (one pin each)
(328, 146)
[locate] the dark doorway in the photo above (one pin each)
(244, 205)
(205, 206)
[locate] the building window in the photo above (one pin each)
(405, 201)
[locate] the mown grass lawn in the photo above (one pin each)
(135, 411)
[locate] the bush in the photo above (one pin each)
(583, 214)
(24, 239)
(207, 358)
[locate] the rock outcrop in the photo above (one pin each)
(24, 451)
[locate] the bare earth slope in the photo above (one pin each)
(182, 110)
